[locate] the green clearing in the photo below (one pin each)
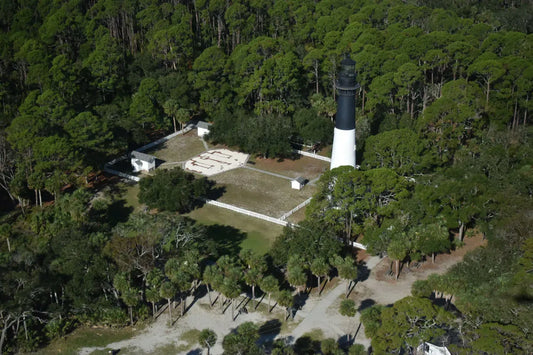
(230, 226)
(308, 168)
(260, 192)
(87, 337)
(179, 148)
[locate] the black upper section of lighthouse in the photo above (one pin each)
(346, 86)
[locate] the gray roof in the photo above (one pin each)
(142, 156)
(300, 179)
(203, 124)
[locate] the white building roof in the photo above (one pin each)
(142, 156)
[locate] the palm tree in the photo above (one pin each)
(168, 291)
(207, 338)
(269, 284)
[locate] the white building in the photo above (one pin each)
(142, 162)
(298, 183)
(430, 349)
(203, 128)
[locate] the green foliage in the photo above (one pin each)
(407, 323)
(243, 340)
(445, 91)
(172, 190)
(421, 288)
(267, 135)
(400, 150)
(207, 338)
(347, 308)
(357, 349)
(329, 346)
(309, 240)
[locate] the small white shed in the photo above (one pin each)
(298, 183)
(430, 349)
(142, 162)
(203, 128)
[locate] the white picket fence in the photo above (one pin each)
(121, 174)
(301, 205)
(187, 128)
(313, 155)
(247, 212)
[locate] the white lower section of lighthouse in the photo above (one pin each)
(343, 152)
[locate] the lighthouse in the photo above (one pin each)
(343, 152)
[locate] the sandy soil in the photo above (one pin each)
(318, 313)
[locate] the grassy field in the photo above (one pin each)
(306, 167)
(179, 148)
(242, 231)
(87, 337)
(260, 192)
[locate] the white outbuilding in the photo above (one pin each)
(142, 162)
(203, 128)
(298, 183)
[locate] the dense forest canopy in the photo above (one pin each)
(443, 132)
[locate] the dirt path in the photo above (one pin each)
(318, 313)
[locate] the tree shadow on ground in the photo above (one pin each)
(227, 239)
(300, 299)
(366, 303)
(363, 272)
(196, 351)
(215, 191)
(269, 330)
(118, 212)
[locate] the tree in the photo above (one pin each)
(172, 190)
(489, 70)
(231, 288)
(175, 270)
(308, 240)
(207, 338)
(357, 349)
(129, 294)
(347, 270)
(319, 268)
(168, 291)
(296, 273)
(146, 109)
(400, 150)
(397, 251)
(329, 346)
(432, 238)
(269, 284)
(285, 299)
(242, 341)
(106, 64)
(409, 322)
(347, 308)
(253, 275)
(171, 108)
(210, 276)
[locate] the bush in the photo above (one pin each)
(421, 288)
(357, 349)
(347, 308)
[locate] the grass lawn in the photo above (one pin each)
(179, 148)
(87, 337)
(306, 167)
(260, 192)
(243, 231)
(131, 191)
